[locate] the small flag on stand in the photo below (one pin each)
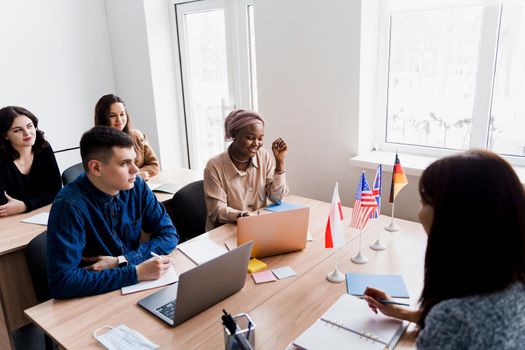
(334, 235)
(399, 180)
(377, 190)
(364, 205)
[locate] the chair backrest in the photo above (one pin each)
(189, 210)
(71, 173)
(36, 254)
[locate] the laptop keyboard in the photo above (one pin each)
(168, 309)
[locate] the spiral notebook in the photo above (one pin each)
(350, 324)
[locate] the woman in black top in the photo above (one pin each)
(29, 175)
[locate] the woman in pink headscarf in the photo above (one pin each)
(242, 178)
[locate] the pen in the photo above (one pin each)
(155, 255)
(249, 330)
(390, 302)
(226, 244)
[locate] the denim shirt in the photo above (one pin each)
(86, 222)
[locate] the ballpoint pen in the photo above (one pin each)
(391, 302)
(229, 323)
(249, 330)
(153, 254)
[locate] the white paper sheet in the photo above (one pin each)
(201, 249)
(168, 278)
(39, 219)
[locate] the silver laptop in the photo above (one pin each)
(274, 233)
(201, 287)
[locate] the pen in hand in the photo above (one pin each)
(155, 255)
(391, 302)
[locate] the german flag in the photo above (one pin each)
(399, 180)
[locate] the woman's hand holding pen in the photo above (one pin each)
(378, 300)
(372, 297)
(153, 268)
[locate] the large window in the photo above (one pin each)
(456, 78)
(217, 64)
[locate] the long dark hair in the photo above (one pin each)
(102, 111)
(7, 116)
(476, 242)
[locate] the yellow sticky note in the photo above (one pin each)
(255, 265)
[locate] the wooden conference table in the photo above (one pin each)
(16, 288)
(281, 310)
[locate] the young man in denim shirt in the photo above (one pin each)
(94, 227)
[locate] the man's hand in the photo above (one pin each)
(145, 175)
(153, 268)
(12, 207)
(101, 262)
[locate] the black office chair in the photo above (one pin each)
(71, 173)
(36, 255)
(189, 210)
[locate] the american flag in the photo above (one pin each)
(377, 191)
(365, 203)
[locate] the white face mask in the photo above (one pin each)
(123, 338)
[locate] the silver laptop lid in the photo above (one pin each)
(203, 286)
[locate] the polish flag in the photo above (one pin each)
(334, 235)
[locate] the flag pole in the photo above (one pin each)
(392, 227)
(336, 276)
(378, 245)
(359, 258)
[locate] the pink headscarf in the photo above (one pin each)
(238, 119)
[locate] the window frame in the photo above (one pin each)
(237, 50)
(485, 74)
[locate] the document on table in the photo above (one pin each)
(201, 249)
(39, 219)
(169, 188)
(168, 278)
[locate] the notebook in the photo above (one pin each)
(394, 285)
(350, 324)
(169, 188)
(201, 287)
(274, 233)
(283, 206)
(201, 249)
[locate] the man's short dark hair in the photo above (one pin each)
(98, 142)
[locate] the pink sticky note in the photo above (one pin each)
(263, 277)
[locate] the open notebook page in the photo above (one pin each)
(356, 324)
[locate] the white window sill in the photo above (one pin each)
(412, 164)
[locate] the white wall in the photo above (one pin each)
(56, 62)
(308, 79)
(130, 54)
